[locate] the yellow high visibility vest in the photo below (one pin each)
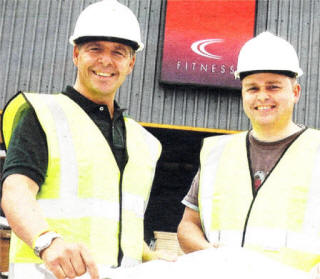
(81, 193)
(283, 219)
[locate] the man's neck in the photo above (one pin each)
(271, 134)
(107, 100)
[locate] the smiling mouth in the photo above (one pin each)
(262, 108)
(101, 74)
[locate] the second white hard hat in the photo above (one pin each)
(267, 52)
(108, 19)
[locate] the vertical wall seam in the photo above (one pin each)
(195, 110)
(8, 64)
(34, 31)
(3, 9)
(22, 41)
(309, 57)
(143, 69)
(206, 110)
(229, 112)
(44, 44)
(71, 8)
(173, 107)
(299, 44)
(218, 110)
(318, 79)
(53, 58)
(153, 92)
(184, 107)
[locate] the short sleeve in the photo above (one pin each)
(27, 153)
(191, 199)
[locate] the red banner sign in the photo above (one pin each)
(203, 39)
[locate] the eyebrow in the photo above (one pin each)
(267, 82)
(120, 47)
(274, 82)
(89, 44)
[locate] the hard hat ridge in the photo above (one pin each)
(268, 52)
(108, 20)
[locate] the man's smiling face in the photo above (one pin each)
(102, 67)
(269, 98)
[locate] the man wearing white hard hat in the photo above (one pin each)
(78, 173)
(259, 189)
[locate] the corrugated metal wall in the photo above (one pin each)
(35, 56)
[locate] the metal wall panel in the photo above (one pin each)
(299, 22)
(35, 56)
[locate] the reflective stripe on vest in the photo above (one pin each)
(208, 172)
(74, 197)
(284, 219)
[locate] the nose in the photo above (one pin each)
(105, 59)
(262, 95)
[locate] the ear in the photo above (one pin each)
(131, 63)
(296, 92)
(75, 55)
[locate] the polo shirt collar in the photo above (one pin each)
(87, 105)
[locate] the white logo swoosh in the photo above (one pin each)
(199, 47)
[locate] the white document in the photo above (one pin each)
(221, 263)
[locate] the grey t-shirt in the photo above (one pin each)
(263, 158)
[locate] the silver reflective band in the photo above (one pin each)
(129, 262)
(275, 239)
(154, 149)
(226, 238)
(134, 203)
(311, 224)
(208, 175)
(85, 207)
(69, 165)
(268, 239)
(81, 207)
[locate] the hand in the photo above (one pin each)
(69, 260)
(315, 272)
(166, 255)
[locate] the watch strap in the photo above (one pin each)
(47, 237)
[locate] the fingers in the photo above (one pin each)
(78, 264)
(69, 260)
(89, 263)
(315, 272)
(167, 255)
(215, 245)
(59, 273)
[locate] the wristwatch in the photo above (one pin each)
(44, 241)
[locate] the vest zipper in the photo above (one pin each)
(246, 223)
(255, 193)
(120, 252)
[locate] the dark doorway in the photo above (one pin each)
(176, 168)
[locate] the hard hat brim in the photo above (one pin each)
(289, 74)
(134, 45)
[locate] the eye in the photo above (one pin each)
(94, 49)
(273, 87)
(119, 53)
(252, 89)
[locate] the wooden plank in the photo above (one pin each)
(4, 250)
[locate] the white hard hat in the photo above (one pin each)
(267, 52)
(108, 20)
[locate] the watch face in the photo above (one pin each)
(44, 241)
